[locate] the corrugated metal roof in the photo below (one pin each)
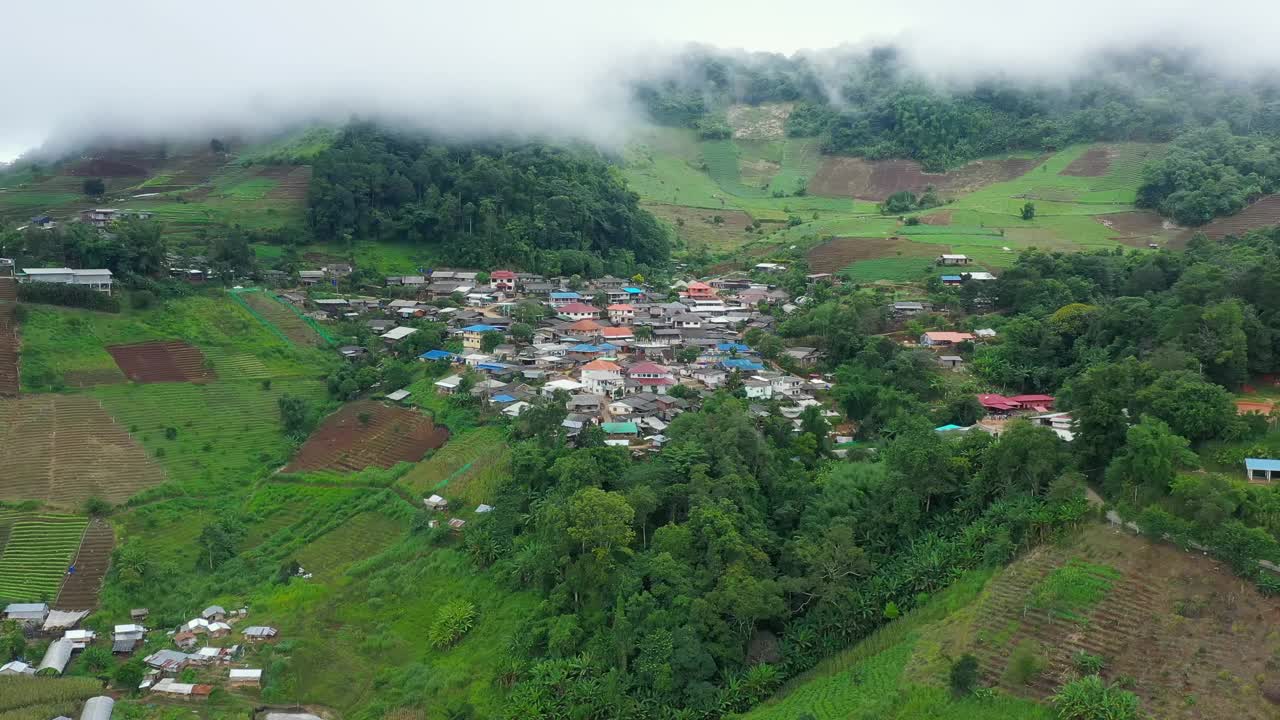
(1252, 464)
(98, 708)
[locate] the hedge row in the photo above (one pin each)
(69, 295)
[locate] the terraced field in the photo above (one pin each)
(80, 589)
(368, 434)
(360, 537)
(161, 361)
(65, 449)
(8, 338)
(467, 468)
(36, 557)
(281, 319)
(224, 430)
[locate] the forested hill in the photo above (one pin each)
(547, 209)
(875, 105)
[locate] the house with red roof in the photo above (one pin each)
(601, 377)
(699, 291)
(621, 313)
(649, 377)
(1039, 403)
(502, 280)
(613, 334)
(936, 338)
(577, 311)
(998, 404)
(584, 327)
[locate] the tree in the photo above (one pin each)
(1145, 468)
(1029, 211)
(296, 415)
(600, 522)
(218, 542)
(490, 340)
(963, 676)
(128, 676)
(217, 146)
(1193, 408)
(521, 332)
(94, 187)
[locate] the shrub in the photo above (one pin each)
(453, 621)
(171, 433)
(67, 295)
(1089, 698)
(1088, 663)
(964, 674)
(96, 507)
(142, 299)
(1025, 665)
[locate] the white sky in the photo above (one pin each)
(151, 66)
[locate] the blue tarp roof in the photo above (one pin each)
(741, 364)
(565, 295)
(633, 291)
(951, 278)
(947, 428)
(585, 348)
(607, 346)
(436, 355)
(732, 347)
(1252, 464)
(480, 328)
(503, 398)
(495, 367)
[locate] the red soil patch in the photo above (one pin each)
(838, 253)
(161, 361)
(107, 167)
(938, 218)
(80, 589)
(1262, 407)
(1263, 212)
(878, 179)
(8, 338)
(1094, 163)
(1135, 228)
(390, 436)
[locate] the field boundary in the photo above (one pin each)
(79, 546)
(235, 294)
(315, 326)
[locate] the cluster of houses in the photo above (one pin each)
(163, 664)
(626, 358)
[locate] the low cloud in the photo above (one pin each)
(152, 68)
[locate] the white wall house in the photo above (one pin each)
(96, 279)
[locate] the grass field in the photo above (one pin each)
(60, 345)
(36, 556)
(362, 536)
(465, 470)
(224, 431)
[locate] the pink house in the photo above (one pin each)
(621, 313)
(700, 291)
(649, 377)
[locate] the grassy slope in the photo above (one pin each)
(871, 680)
(671, 166)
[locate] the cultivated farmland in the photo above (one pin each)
(280, 318)
(1264, 212)
(80, 589)
(839, 253)
(1093, 163)
(358, 538)
(467, 468)
(878, 179)
(163, 361)
(368, 434)
(221, 430)
(65, 449)
(39, 698)
(8, 338)
(36, 557)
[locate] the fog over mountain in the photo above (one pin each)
(146, 68)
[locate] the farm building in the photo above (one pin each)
(27, 613)
(98, 708)
(399, 395)
(139, 614)
(260, 632)
(449, 385)
(245, 677)
(802, 356)
(56, 657)
(936, 338)
(907, 309)
(395, 335)
(1261, 470)
(80, 639)
(214, 613)
(954, 260)
(950, 362)
(95, 279)
(16, 667)
(169, 660)
(184, 639)
(62, 619)
(181, 691)
(435, 502)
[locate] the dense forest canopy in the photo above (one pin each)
(537, 207)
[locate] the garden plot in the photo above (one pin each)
(80, 590)
(368, 434)
(37, 555)
(65, 449)
(8, 338)
(161, 361)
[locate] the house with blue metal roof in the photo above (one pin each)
(1261, 470)
(433, 355)
(741, 364)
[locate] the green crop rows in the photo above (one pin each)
(36, 556)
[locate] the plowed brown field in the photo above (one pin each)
(161, 361)
(388, 435)
(878, 179)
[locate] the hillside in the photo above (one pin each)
(187, 187)
(1175, 628)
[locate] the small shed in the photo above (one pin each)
(139, 614)
(26, 612)
(98, 708)
(260, 632)
(245, 677)
(950, 362)
(399, 395)
(1261, 470)
(214, 612)
(435, 502)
